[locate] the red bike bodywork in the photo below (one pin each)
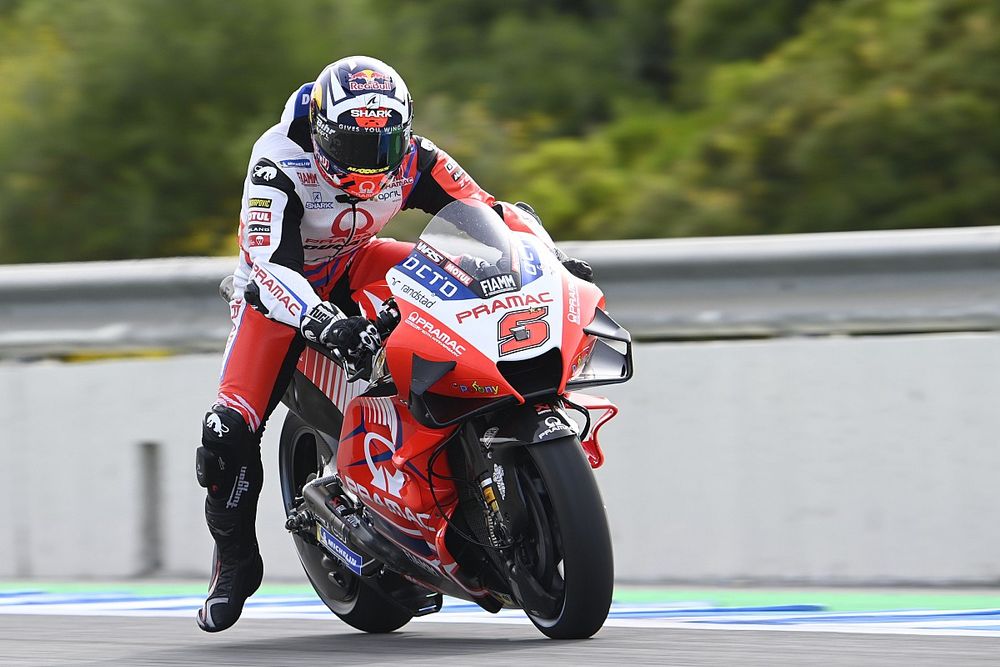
(387, 457)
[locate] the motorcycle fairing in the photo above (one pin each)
(601, 411)
(583, 300)
(448, 344)
(330, 378)
(527, 424)
(375, 429)
(383, 459)
(427, 289)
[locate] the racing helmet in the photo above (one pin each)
(360, 119)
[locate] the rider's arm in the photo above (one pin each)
(272, 243)
(441, 180)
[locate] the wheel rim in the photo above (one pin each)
(545, 546)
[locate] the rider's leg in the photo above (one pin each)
(229, 467)
(374, 259)
(260, 358)
(259, 361)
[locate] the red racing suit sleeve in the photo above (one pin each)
(441, 180)
(271, 240)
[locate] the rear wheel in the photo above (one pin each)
(570, 546)
(302, 454)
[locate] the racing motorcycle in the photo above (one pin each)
(458, 459)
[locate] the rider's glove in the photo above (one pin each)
(579, 268)
(355, 339)
(317, 323)
(348, 338)
(576, 267)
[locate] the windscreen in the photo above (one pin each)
(469, 240)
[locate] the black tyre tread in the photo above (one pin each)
(368, 611)
(588, 560)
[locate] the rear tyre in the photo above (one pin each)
(301, 455)
(571, 543)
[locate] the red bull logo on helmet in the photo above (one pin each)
(369, 79)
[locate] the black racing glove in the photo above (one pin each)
(579, 268)
(349, 339)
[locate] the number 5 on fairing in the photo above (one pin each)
(523, 330)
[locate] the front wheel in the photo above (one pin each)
(570, 548)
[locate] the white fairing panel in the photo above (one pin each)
(457, 286)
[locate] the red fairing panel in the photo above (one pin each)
(330, 378)
(581, 300)
(374, 431)
(384, 457)
(601, 412)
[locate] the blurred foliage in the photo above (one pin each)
(125, 125)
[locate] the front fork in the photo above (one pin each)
(495, 450)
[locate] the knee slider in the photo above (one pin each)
(227, 445)
(224, 427)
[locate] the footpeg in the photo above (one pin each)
(299, 521)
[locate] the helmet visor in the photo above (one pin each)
(363, 151)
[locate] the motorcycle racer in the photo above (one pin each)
(321, 184)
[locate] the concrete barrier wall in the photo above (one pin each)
(826, 460)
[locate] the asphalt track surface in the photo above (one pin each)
(152, 623)
(130, 641)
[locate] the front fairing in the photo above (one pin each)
(488, 316)
(468, 271)
(474, 294)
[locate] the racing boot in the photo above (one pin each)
(229, 467)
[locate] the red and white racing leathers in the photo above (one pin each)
(303, 241)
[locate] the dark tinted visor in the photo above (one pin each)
(364, 151)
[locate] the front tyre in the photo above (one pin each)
(571, 544)
(301, 455)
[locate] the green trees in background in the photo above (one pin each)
(870, 115)
(125, 125)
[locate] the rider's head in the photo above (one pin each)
(360, 117)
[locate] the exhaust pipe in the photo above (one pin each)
(324, 506)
